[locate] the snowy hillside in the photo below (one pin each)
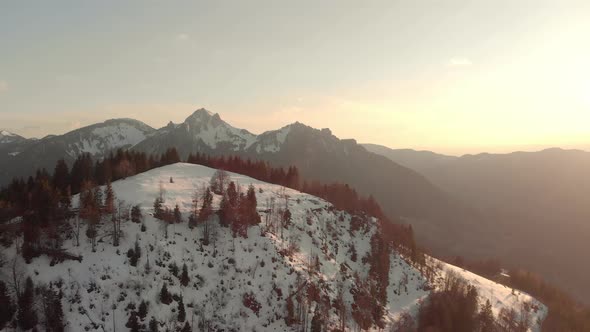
(108, 136)
(239, 284)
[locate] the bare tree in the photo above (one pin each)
(76, 230)
(219, 181)
(17, 275)
(120, 214)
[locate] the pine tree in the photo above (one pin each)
(181, 311)
(58, 315)
(184, 278)
(252, 216)
(6, 305)
(54, 317)
(132, 322)
(27, 317)
(136, 215)
(61, 176)
(177, 215)
(142, 310)
(158, 208)
(165, 296)
(486, 318)
(109, 199)
(205, 214)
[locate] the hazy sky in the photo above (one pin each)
(451, 76)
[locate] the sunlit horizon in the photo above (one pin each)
(455, 77)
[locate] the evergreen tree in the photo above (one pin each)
(165, 296)
(27, 317)
(486, 318)
(54, 317)
(109, 199)
(158, 208)
(136, 215)
(61, 176)
(224, 211)
(205, 214)
(133, 322)
(184, 278)
(251, 213)
(6, 305)
(181, 311)
(177, 215)
(142, 310)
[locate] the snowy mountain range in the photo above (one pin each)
(23, 157)
(235, 283)
(317, 153)
(206, 132)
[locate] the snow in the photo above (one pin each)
(500, 296)
(212, 131)
(105, 278)
(6, 133)
(281, 136)
(108, 138)
(212, 136)
(271, 141)
(7, 137)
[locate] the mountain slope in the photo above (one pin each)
(532, 197)
(235, 283)
(412, 159)
(98, 140)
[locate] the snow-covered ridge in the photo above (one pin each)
(6, 133)
(112, 135)
(8, 137)
(227, 269)
(209, 129)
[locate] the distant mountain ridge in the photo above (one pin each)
(206, 132)
(98, 140)
(531, 197)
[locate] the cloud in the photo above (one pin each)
(182, 37)
(3, 86)
(459, 62)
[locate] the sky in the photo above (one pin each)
(450, 76)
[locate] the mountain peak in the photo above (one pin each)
(6, 133)
(201, 114)
(202, 119)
